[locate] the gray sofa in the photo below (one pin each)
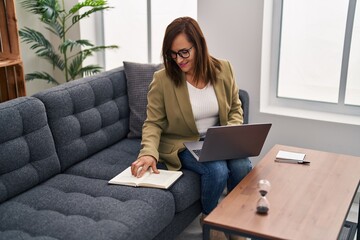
(59, 148)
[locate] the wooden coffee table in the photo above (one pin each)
(306, 201)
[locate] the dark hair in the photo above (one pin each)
(205, 65)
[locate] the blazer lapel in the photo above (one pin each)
(183, 98)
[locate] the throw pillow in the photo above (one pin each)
(139, 76)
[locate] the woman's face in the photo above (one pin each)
(183, 53)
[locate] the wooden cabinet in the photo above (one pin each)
(12, 80)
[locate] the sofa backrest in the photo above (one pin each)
(87, 115)
(27, 150)
(245, 102)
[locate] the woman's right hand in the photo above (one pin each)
(143, 163)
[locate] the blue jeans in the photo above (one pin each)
(215, 175)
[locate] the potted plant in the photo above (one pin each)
(69, 55)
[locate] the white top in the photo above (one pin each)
(205, 107)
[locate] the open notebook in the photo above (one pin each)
(163, 180)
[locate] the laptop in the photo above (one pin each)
(229, 142)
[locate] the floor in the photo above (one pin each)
(194, 232)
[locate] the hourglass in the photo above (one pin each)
(263, 205)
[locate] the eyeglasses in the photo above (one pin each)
(184, 53)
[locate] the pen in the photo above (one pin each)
(292, 161)
(303, 162)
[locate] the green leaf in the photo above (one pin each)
(48, 10)
(75, 65)
(89, 70)
(55, 60)
(76, 69)
(77, 18)
(87, 3)
(41, 76)
(100, 48)
(71, 44)
(37, 40)
(56, 28)
(42, 47)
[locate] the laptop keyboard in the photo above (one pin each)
(197, 152)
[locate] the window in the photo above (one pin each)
(311, 54)
(138, 27)
(352, 95)
(311, 49)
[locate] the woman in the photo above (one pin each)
(192, 93)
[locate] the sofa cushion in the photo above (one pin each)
(87, 115)
(186, 190)
(73, 207)
(116, 158)
(109, 162)
(27, 151)
(139, 76)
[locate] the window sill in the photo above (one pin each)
(311, 115)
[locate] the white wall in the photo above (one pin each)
(30, 61)
(233, 29)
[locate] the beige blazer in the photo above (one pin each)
(170, 121)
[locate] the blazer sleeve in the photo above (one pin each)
(156, 120)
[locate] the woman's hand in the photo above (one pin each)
(143, 163)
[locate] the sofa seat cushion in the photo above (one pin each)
(109, 162)
(186, 190)
(113, 160)
(75, 207)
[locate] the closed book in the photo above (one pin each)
(290, 157)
